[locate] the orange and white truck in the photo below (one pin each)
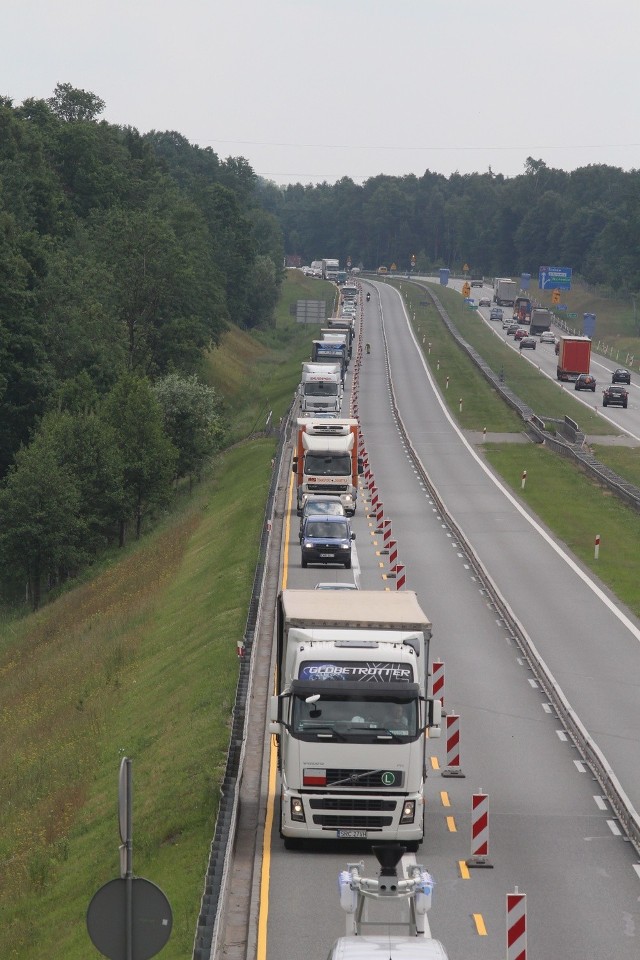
(574, 357)
(326, 460)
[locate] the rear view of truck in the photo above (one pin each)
(574, 357)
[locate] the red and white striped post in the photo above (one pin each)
(479, 831)
(523, 479)
(386, 533)
(437, 683)
(374, 496)
(516, 926)
(453, 768)
(393, 555)
(379, 516)
(240, 648)
(400, 576)
(596, 550)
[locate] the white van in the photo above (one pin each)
(382, 948)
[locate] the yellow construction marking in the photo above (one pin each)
(380, 564)
(479, 922)
(464, 870)
(451, 823)
(265, 877)
(434, 763)
(444, 796)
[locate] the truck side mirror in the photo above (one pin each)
(353, 536)
(274, 710)
(434, 718)
(360, 466)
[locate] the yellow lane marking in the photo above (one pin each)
(464, 870)
(434, 763)
(265, 876)
(479, 922)
(444, 796)
(451, 823)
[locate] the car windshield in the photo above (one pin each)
(355, 717)
(324, 506)
(326, 529)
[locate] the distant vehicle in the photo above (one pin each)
(520, 333)
(325, 506)
(335, 586)
(326, 539)
(484, 302)
(621, 376)
(547, 337)
(615, 394)
(574, 356)
(528, 343)
(497, 313)
(477, 283)
(511, 329)
(586, 382)
(540, 320)
(522, 309)
(382, 270)
(504, 291)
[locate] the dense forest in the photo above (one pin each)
(123, 257)
(588, 220)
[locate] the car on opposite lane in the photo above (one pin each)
(547, 336)
(621, 376)
(511, 329)
(616, 394)
(497, 313)
(484, 302)
(586, 382)
(528, 343)
(520, 333)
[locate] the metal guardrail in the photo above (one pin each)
(209, 925)
(620, 802)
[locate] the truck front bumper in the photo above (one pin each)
(352, 816)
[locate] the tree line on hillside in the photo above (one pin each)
(123, 258)
(588, 219)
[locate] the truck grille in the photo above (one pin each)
(362, 804)
(327, 487)
(363, 778)
(346, 822)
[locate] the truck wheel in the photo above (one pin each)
(347, 565)
(292, 843)
(412, 846)
(624, 405)
(604, 403)
(303, 562)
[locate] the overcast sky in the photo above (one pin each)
(315, 90)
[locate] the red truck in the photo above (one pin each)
(574, 357)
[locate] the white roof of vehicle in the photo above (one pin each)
(387, 948)
(368, 607)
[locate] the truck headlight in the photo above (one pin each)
(408, 811)
(297, 810)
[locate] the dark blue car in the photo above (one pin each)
(326, 539)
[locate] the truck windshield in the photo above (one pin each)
(327, 465)
(356, 717)
(320, 388)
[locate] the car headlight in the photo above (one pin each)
(297, 810)
(345, 546)
(308, 545)
(408, 811)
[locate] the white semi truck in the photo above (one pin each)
(330, 269)
(321, 388)
(505, 291)
(351, 715)
(326, 461)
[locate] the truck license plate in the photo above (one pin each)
(352, 834)
(326, 556)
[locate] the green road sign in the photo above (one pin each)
(572, 316)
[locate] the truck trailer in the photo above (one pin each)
(326, 461)
(540, 321)
(574, 357)
(504, 292)
(351, 715)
